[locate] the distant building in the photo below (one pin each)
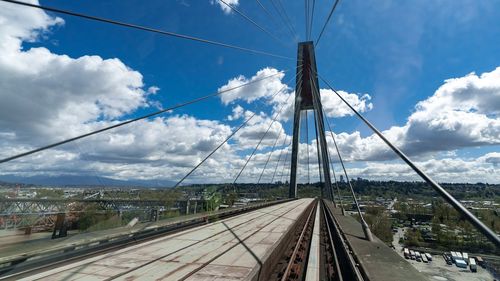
(342, 178)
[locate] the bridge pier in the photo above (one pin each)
(60, 228)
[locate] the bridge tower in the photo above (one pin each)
(307, 97)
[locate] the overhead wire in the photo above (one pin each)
(331, 161)
(279, 159)
(316, 98)
(351, 188)
(327, 152)
(271, 153)
(306, 11)
(263, 136)
(133, 120)
(144, 28)
(243, 15)
(311, 18)
(229, 137)
(266, 11)
(285, 162)
(478, 224)
(284, 20)
(286, 15)
(317, 147)
(326, 22)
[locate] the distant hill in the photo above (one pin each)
(72, 180)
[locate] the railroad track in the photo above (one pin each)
(293, 262)
(295, 269)
(339, 262)
(331, 268)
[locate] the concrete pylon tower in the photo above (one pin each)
(307, 97)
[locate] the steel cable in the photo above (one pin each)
(139, 27)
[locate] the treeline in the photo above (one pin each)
(449, 230)
(384, 189)
(391, 189)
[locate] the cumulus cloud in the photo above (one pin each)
(237, 113)
(227, 10)
(492, 158)
(462, 113)
(443, 170)
(68, 96)
(262, 89)
(59, 102)
(63, 93)
(335, 107)
(250, 136)
(275, 92)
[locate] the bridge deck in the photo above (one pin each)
(19, 246)
(231, 249)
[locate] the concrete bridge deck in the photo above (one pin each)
(237, 248)
(19, 247)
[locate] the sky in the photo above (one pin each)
(425, 73)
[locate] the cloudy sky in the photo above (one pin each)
(427, 74)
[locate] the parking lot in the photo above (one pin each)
(439, 270)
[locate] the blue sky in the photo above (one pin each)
(398, 52)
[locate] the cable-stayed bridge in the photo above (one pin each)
(290, 239)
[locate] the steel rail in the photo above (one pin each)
(299, 246)
(332, 243)
(344, 245)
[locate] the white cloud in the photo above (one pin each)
(227, 10)
(277, 94)
(47, 97)
(492, 158)
(262, 89)
(53, 96)
(462, 113)
(442, 170)
(249, 136)
(237, 113)
(335, 107)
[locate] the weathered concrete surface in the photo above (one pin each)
(230, 249)
(312, 272)
(18, 247)
(377, 260)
